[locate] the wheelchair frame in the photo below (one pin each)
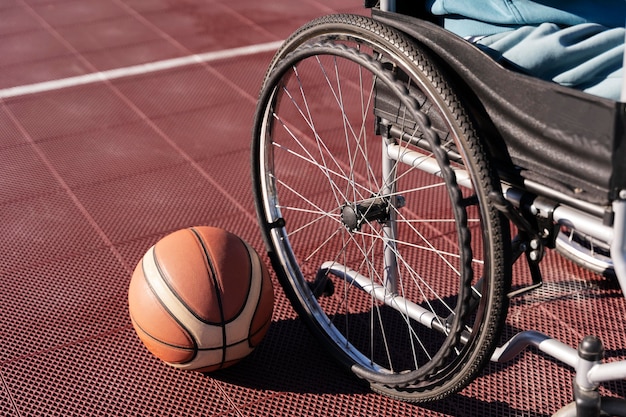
(602, 216)
(545, 184)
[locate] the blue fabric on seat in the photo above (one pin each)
(587, 56)
(579, 44)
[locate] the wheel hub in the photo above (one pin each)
(354, 215)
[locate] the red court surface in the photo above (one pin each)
(95, 173)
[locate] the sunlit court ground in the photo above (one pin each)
(122, 121)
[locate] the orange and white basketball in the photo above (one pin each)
(201, 299)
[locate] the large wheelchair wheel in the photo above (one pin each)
(372, 188)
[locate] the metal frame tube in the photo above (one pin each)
(389, 228)
(388, 5)
(546, 344)
(610, 371)
(380, 293)
(618, 245)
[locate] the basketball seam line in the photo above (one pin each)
(198, 349)
(168, 281)
(148, 334)
(250, 278)
(170, 312)
(252, 333)
(217, 294)
(258, 331)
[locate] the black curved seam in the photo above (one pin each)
(217, 294)
(154, 338)
(269, 320)
(178, 297)
(250, 279)
(226, 346)
(169, 311)
(250, 334)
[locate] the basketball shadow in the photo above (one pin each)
(290, 360)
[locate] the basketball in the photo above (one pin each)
(201, 299)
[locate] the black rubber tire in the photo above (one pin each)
(289, 156)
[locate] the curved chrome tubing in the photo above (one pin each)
(381, 293)
(589, 369)
(592, 375)
(589, 372)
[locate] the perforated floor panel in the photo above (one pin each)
(93, 175)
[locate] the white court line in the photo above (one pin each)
(137, 69)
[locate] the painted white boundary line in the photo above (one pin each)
(137, 69)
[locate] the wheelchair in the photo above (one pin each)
(399, 172)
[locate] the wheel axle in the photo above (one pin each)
(354, 215)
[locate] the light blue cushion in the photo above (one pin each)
(577, 43)
(587, 56)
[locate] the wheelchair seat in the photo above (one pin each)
(553, 135)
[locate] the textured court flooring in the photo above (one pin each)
(94, 171)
